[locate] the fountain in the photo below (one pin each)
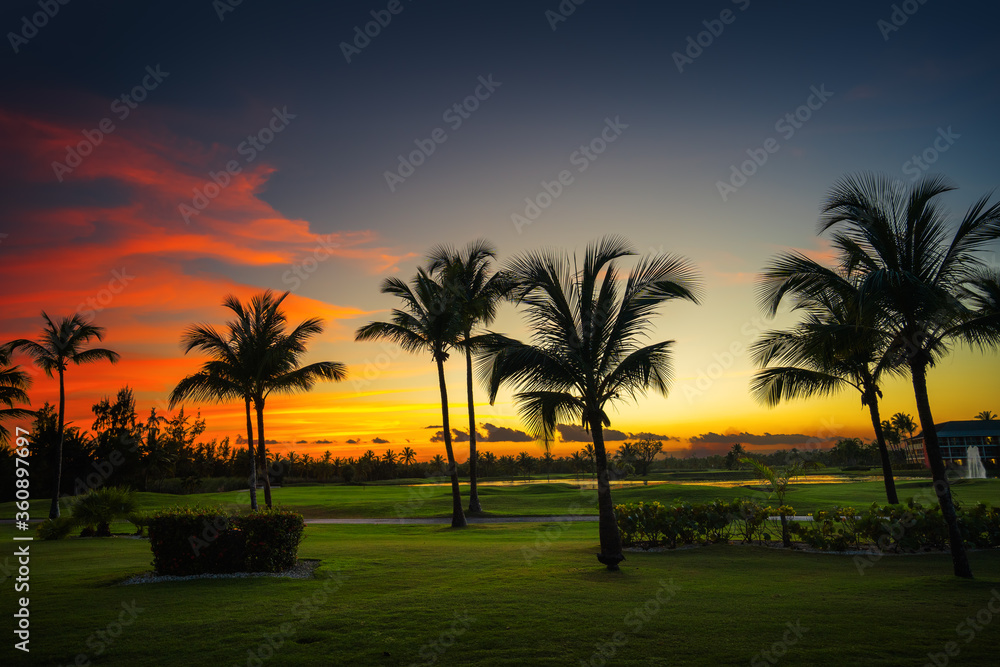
(974, 469)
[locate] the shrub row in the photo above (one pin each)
(652, 524)
(199, 540)
(905, 528)
(889, 528)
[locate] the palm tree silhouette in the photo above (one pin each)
(838, 344)
(904, 423)
(409, 456)
(586, 352)
(59, 345)
(477, 294)
(227, 375)
(428, 322)
(14, 385)
(986, 416)
(894, 240)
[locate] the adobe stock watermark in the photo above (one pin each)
(921, 162)
(562, 12)
(779, 648)
(721, 363)
(634, 620)
(968, 630)
(900, 14)
(30, 26)
(581, 158)
(381, 18)
(434, 649)
(223, 7)
(302, 269)
(250, 148)
(455, 116)
(121, 108)
(714, 28)
(101, 640)
(787, 125)
(120, 279)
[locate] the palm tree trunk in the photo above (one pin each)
(261, 453)
(457, 515)
(959, 557)
(58, 453)
(883, 451)
(253, 464)
(611, 541)
(474, 505)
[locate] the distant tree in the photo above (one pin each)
(646, 451)
(409, 456)
(986, 416)
(526, 463)
(733, 458)
(58, 346)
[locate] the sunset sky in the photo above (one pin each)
(116, 117)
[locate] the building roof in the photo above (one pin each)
(964, 429)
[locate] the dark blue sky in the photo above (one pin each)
(667, 178)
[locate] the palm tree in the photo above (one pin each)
(986, 416)
(409, 456)
(489, 460)
(59, 345)
(895, 240)
(427, 322)
(526, 463)
(273, 355)
(14, 385)
(838, 344)
(477, 294)
(586, 349)
(227, 375)
(903, 423)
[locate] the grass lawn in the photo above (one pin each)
(379, 501)
(402, 595)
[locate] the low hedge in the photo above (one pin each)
(206, 540)
(905, 528)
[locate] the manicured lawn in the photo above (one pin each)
(337, 501)
(385, 594)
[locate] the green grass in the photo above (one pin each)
(337, 501)
(385, 593)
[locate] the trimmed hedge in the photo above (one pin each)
(205, 540)
(886, 528)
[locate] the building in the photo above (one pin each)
(955, 438)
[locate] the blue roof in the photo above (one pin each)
(965, 429)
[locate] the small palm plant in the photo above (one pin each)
(779, 479)
(99, 507)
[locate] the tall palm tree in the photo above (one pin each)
(586, 352)
(895, 240)
(273, 357)
(59, 345)
(428, 322)
(837, 345)
(227, 375)
(14, 385)
(477, 292)
(986, 416)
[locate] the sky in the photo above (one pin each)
(160, 156)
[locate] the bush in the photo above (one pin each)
(196, 541)
(99, 507)
(55, 529)
(653, 524)
(138, 519)
(178, 486)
